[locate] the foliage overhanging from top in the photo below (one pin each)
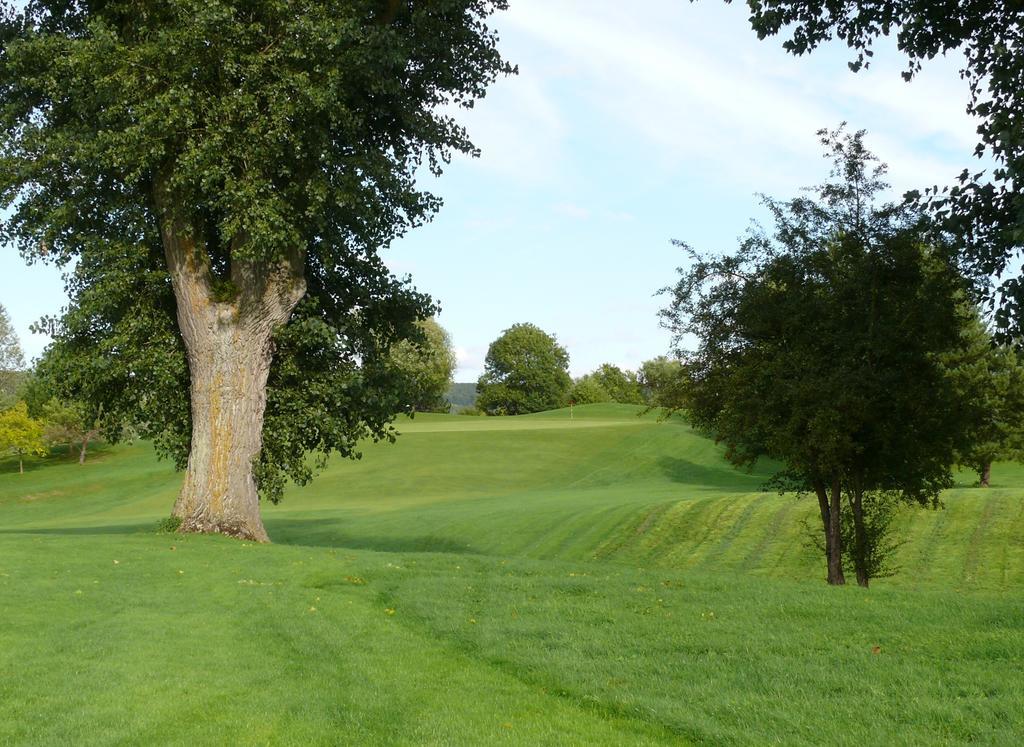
(985, 214)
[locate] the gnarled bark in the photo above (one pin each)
(229, 347)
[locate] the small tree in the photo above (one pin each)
(819, 344)
(426, 366)
(870, 546)
(525, 370)
(21, 434)
(69, 423)
(12, 360)
(61, 424)
(990, 378)
(65, 420)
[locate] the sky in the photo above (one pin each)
(626, 129)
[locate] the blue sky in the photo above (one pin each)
(624, 130)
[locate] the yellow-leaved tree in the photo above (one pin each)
(21, 434)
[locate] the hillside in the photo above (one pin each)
(530, 580)
(607, 485)
(461, 395)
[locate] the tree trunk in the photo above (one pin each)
(830, 528)
(229, 347)
(81, 454)
(228, 397)
(822, 493)
(835, 558)
(986, 474)
(860, 538)
(21, 466)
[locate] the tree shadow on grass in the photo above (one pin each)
(58, 456)
(10, 466)
(705, 476)
(330, 533)
(305, 532)
(146, 527)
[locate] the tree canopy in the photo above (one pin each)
(607, 383)
(661, 381)
(983, 212)
(223, 175)
(990, 377)
(426, 366)
(20, 434)
(622, 386)
(819, 344)
(525, 370)
(586, 390)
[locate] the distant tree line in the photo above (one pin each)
(526, 370)
(461, 395)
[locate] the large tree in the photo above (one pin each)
(223, 174)
(525, 370)
(818, 347)
(985, 213)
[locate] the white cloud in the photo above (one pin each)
(469, 362)
(518, 128)
(398, 266)
(674, 94)
(708, 97)
(932, 106)
(572, 211)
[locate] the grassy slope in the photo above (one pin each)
(520, 580)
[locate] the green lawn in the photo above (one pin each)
(538, 580)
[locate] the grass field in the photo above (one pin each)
(537, 580)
